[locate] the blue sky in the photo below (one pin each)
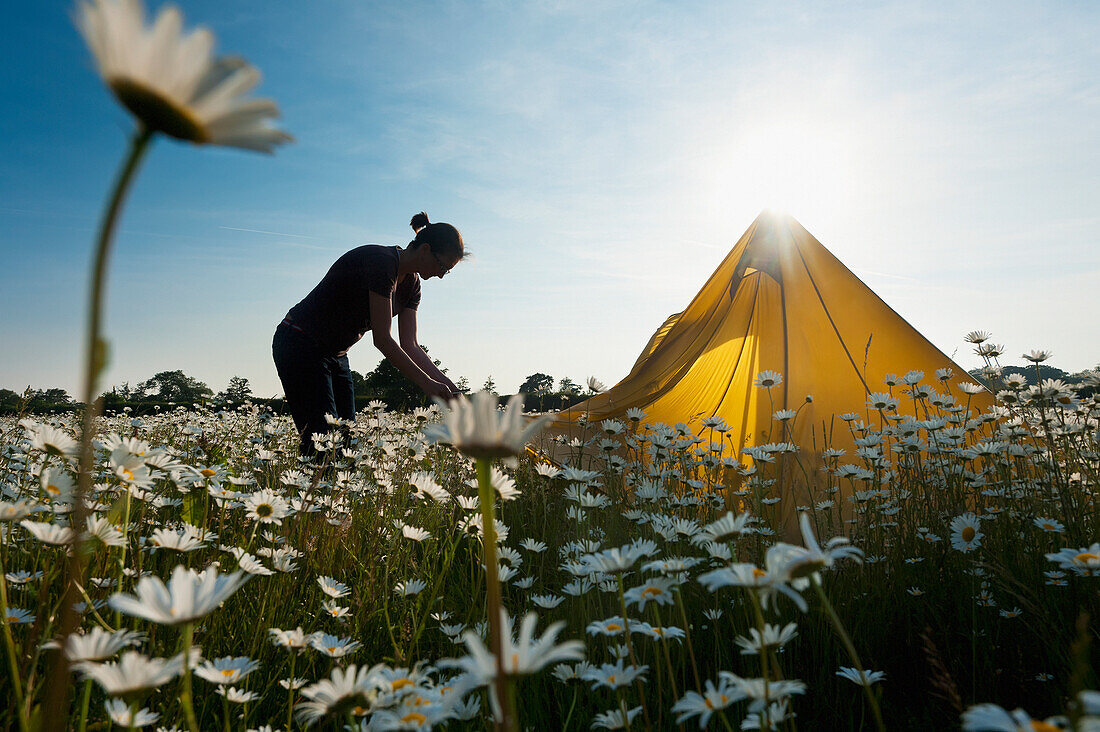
(600, 158)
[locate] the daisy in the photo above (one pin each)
(615, 676)
(188, 596)
(187, 539)
(57, 484)
(548, 602)
(410, 587)
(704, 705)
(49, 533)
(133, 672)
(296, 638)
(415, 533)
(724, 528)
(426, 487)
(22, 577)
(863, 678)
(1037, 356)
(98, 644)
(477, 428)
(773, 637)
(333, 646)
(657, 590)
(15, 615)
(248, 563)
(266, 507)
(992, 718)
(235, 695)
(169, 81)
(768, 379)
(334, 610)
(546, 470)
(611, 626)
(532, 545)
(1049, 525)
(332, 588)
(17, 510)
(965, 532)
(522, 654)
(635, 414)
(102, 529)
(615, 719)
(762, 691)
(1084, 561)
(121, 714)
(228, 670)
(51, 440)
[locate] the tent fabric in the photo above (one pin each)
(779, 301)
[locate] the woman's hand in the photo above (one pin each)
(439, 389)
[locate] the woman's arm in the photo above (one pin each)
(380, 318)
(406, 328)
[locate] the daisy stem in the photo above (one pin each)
(851, 650)
(86, 698)
(9, 645)
(185, 687)
(761, 627)
(630, 650)
(55, 705)
(492, 592)
(122, 553)
(290, 690)
(687, 637)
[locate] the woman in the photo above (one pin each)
(362, 291)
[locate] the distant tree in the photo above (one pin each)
(490, 385)
(50, 398)
(569, 388)
(463, 385)
(9, 400)
(238, 392)
(537, 385)
(173, 386)
(385, 382)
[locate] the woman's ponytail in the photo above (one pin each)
(419, 222)
(443, 239)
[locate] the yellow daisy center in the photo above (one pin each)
(227, 672)
(158, 112)
(51, 488)
(968, 534)
(401, 683)
(1043, 726)
(415, 717)
(515, 662)
(757, 572)
(1084, 557)
(652, 591)
(614, 627)
(208, 473)
(611, 679)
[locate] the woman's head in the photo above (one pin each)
(443, 240)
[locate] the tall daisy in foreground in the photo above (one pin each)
(480, 430)
(173, 85)
(171, 81)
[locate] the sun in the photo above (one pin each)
(809, 168)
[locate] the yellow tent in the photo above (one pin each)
(778, 302)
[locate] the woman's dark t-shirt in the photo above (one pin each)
(336, 313)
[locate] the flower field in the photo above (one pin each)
(946, 565)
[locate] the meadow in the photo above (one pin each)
(947, 566)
